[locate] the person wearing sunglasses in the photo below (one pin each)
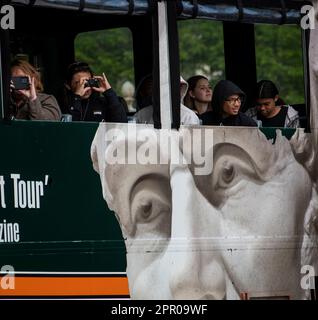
(227, 101)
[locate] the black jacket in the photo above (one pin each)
(221, 92)
(105, 107)
(240, 119)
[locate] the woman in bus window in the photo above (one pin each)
(226, 104)
(199, 95)
(28, 102)
(91, 98)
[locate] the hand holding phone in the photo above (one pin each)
(20, 83)
(25, 86)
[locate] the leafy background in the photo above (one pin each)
(278, 54)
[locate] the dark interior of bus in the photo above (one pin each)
(49, 45)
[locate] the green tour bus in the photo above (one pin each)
(166, 231)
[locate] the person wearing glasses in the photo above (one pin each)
(270, 109)
(227, 101)
(89, 97)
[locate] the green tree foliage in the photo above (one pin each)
(201, 48)
(279, 58)
(108, 51)
(278, 54)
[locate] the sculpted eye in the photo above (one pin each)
(226, 176)
(228, 173)
(151, 214)
(145, 211)
(232, 170)
(151, 207)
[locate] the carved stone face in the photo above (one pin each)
(236, 230)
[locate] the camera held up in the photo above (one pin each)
(92, 83)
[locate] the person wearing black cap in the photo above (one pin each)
(227, 101)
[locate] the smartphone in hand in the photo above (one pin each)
(20, 83)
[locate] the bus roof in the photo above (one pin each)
(262, 11)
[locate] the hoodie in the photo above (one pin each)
(221, 92)
(183, 89)
(187, 116)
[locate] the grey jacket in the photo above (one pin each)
(291, 120)
(44, 107)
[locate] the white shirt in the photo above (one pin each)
(187, 116)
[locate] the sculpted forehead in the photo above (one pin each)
(254, 143)
(118, 177)
(264, 154)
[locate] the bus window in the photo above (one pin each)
(276, 61)
(279, 59)
(110, 51)
(201, 49)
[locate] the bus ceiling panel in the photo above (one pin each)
(119, 7)
(262, 11)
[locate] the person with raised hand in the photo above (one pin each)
(91, 98)
(28, 102)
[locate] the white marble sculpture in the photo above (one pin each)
(245, 228)
(238, 230)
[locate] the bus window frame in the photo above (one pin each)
(305, 62)
(181, 14)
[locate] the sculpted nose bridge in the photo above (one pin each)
(193, 216)
(196, 271)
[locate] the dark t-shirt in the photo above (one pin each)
(277, 121)
(210, 118)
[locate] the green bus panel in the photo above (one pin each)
(72, 230)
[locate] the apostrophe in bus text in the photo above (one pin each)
(27, 194)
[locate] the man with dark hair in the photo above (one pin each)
(91, 98)
(270, 109)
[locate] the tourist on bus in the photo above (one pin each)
(199, 95)
(143, 93)
(145, 114)
(227, 101)
(91, 98)
(28, 102)
(270, 109)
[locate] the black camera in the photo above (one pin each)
(92, 83)
(20, 83)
